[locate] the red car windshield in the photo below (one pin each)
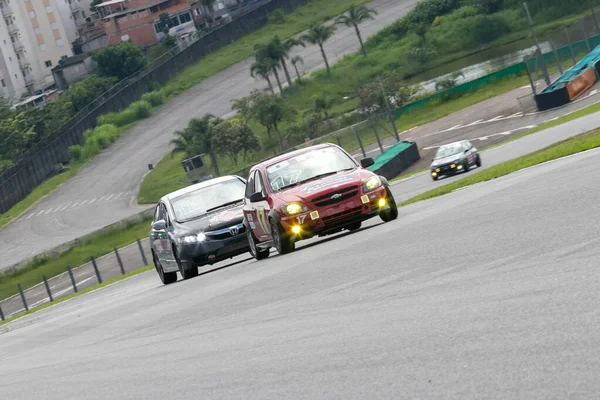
(308, 166)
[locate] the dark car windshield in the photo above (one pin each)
(308, 166)
(449, 150)
(197, 203)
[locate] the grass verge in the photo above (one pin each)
(97, 246)
(293, 23)
(577, 144)
(73, 295)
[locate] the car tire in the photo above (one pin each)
(186, 273)
(284, 244)
(354, 227)
(466, 166)
(391, 213)
(257, 253)
(435, 178)
(478, 162)
(165, 277)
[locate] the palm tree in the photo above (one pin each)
(287, 47)
(319, 34)
(323, 104)
(262, 69)
(356, 15)
(196, 139)
(267, 54)
(295, 60)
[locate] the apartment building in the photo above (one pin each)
(73, 14)
(33, 39)
(137, 20)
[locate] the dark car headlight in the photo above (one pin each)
(191, 239)
(372, 183)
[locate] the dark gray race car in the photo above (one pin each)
(198, 225)
(453, 158)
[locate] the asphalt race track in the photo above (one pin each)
(104, 191)
(402, 190)
(489, 292)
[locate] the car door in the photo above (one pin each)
(258, 210)
(470, 153)
(161, 242)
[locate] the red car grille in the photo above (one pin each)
(344, 214)
(345, 194)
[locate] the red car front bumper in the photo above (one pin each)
(322, 220)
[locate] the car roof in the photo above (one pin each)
(453, 143)
(197, 186)
(290, 154)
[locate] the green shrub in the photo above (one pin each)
(141, 109)
(154, 98)
(136, 111)
(277, 17)
(75, 152)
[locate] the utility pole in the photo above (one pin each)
(537, 44)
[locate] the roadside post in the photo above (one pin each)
(48, 288)
(537, 44)
(119, 261)
(570, 46)
(1, 314)
(359, 141)
(23, 297)
(72, 278)
(595, 20)
(96, 269)
(556, 57)
(585, 38)
(145, 261)
(376, 134)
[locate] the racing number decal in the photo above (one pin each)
(470, 157)
(301, 218)
(262, 219)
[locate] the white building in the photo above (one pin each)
(73, 14)
(34, 36)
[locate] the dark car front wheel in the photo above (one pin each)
(165, 277)
(478, 162)
(282, 242)
(187, 271)
(391, 212)
(254, 250)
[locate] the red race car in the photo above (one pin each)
(318, 190)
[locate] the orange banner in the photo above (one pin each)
(581, 84)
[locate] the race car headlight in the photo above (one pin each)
(372, 183)
(294, 208)
(191, 239)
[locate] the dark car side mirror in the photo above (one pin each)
(367, 162)
(256, 197)
(159, 225)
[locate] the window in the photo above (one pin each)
(37, 31)
(48, 63)
(258, 186)
(59, 42)
(32, 14)
(185, 18)
(54, 26)
(48, 9)
(43, 47)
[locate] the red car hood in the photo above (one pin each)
(313, 189)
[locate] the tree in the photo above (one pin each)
(271, 54)
(323, 104)
(295, 60)
(232, 137)
(197, 138)
(280, 51)
(356, 15)
(85, 91)
(270, 111)
(262, 68)
(120, 60)
(166, 24)
(319, 34)
(243, 107)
